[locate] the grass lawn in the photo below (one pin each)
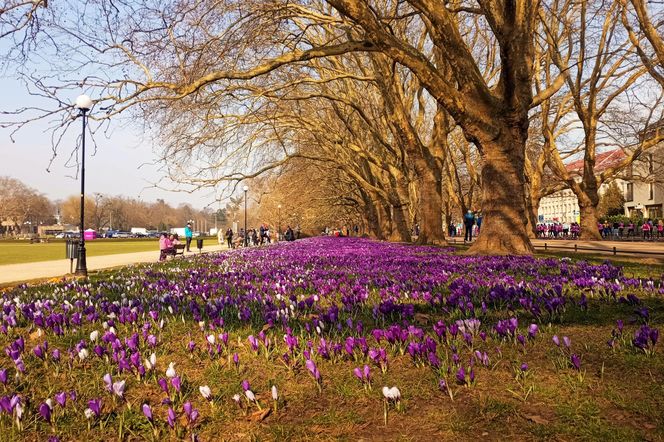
(16, 252)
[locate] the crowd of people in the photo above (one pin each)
(558, 230)
(616, 230)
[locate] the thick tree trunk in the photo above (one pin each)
(384, 219)
(589, 220)
(504, 226)
(431, 207)
(400, 231)
(532, 204)
(371, 217)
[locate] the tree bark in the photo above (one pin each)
(532, 203)
(504, 226)
(431, 207)
(589, 220)
(400, 231)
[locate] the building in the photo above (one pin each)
(563, 206)
(642, 186)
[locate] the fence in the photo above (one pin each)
(613, 250)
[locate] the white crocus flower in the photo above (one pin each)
(210, 339)
(83, 354)
(94, 336)
(170, 371)
(205, 392)
(275, 393)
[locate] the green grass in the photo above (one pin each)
(21, 251)
(18, 251)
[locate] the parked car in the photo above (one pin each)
(122, 235)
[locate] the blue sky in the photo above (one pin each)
(114, 168)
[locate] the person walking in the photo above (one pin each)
(469, 221)
(188, 234)
(645, 228)
(229, 238)
(479, 221)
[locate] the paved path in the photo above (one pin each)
(12, 273)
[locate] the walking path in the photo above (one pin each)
(13, 273)
(601, 247)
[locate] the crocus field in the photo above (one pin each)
(336, 338)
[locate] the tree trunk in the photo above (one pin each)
(504, 225)
(532, 204)
(431, 205)
(371, 216)
(400, 231)
(589, 221)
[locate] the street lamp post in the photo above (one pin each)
(279, 223)
(246, 233)
(83, 104)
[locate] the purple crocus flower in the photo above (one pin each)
(187, 408)
(3, 376)
(245, 385)
(61, 398)
(556, 340)
(442, 385)
(524, 367)
(576, 361)
(38, 351)
(176, 383)
(45, 411)
(236, 359)
(532, 331)
(5, 404)
(171, 419)
(358, 373)
(163, 384)
(461, 375)
(311, 366)
(567, 341)
(147, 411)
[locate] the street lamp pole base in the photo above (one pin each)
(81, 264)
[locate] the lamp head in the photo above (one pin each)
(245, 188)
(83, 102)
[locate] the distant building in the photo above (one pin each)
(643, 192)
(563, 206)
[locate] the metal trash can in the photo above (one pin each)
(199, 244)
(71, 247)
(71, 250)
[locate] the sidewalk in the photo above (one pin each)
(13, 273)
(602, 247)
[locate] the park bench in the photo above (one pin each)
(179, 249)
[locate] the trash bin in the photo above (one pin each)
(71, 247)
(199, 244)
(71, 250)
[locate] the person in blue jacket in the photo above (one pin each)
(469, 222)
(188, 234)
